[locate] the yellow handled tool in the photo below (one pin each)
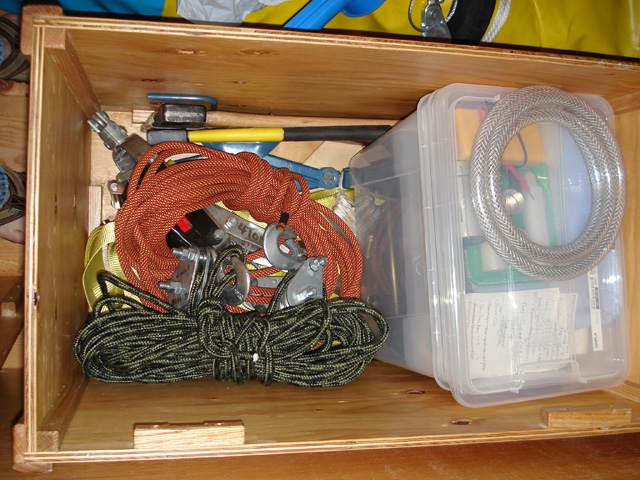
(349, 133)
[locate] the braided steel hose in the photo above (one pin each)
(604, 164)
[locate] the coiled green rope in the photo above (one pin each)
(315, 344)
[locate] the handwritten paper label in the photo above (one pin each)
(519, 331)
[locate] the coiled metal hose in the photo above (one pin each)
(604, 164)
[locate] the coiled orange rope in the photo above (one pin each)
(157, 198)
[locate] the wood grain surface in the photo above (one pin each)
(11, 317)
(627, 128)
(350, 430)
(614, 457)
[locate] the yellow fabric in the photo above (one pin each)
(170, 9)
(590, 26)
(100, 254)
(329, 197)
(610, 28)
(390, 17)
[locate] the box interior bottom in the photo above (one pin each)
(386, 402)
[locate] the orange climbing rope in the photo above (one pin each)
(158, 197)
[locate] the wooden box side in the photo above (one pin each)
(56, 222)
(262, 72)
(627, 128)
(267, 71)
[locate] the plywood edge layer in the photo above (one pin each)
(84, 456)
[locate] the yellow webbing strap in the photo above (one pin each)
(100, 254)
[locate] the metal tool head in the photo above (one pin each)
(235, 229)
(180, 116)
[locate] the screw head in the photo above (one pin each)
(329, 178)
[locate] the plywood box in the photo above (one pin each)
(81, 65)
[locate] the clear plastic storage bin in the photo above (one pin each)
(457, 312)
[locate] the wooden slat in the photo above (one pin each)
(11, 317)
(599, 416)
(57, 213)
(614, 457)
(30, 414)
(11, 258)
(180, 436)
(13, 131)
(15, 359)
(627, 128)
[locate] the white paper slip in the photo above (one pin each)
(519, 332)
